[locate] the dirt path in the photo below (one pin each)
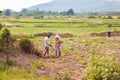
(70, 64)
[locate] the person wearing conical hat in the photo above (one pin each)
(57, 45)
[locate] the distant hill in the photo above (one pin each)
(80, 5)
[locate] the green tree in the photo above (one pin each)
(1, 11)
(5, 38)
(70, 12)
(8, 12)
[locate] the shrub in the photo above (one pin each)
(26, 45)
(109, 17)
(5, 36)
(103, 68)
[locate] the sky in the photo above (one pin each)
(17, 5)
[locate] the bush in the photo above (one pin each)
(109, 17)
(5, 36)
(26, 45)
(103, 68)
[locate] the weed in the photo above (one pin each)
(38, 64)
(12, 63)
(88, 43)
(84, 63)
(4, 67)
(66, 76)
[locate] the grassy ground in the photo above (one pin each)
(76, 51)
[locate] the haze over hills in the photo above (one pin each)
(80, 5)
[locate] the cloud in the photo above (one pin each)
(17, 5)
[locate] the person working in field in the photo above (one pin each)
(47, 45)
(109, 33)
(57, 45)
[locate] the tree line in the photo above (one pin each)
(35, 12)
(38, 12)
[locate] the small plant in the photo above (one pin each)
(38, 64)
(84, 63)
(71, 49)
(12, 63)
(88, 43)
(4, 67)
(66, 76)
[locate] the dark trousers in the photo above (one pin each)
(109, 34)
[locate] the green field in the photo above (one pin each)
(73, 26)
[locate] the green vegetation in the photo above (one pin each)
(77, 48)
(5, 42)
(38, 64)
(103, 68)
(26, 45)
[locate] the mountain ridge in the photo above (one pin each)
(79, 5)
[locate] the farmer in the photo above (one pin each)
(47, 44)
(57, 45)
(109, 33)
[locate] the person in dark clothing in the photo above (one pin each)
(109, 32)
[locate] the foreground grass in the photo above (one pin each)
(17, 74)
(12, 72)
